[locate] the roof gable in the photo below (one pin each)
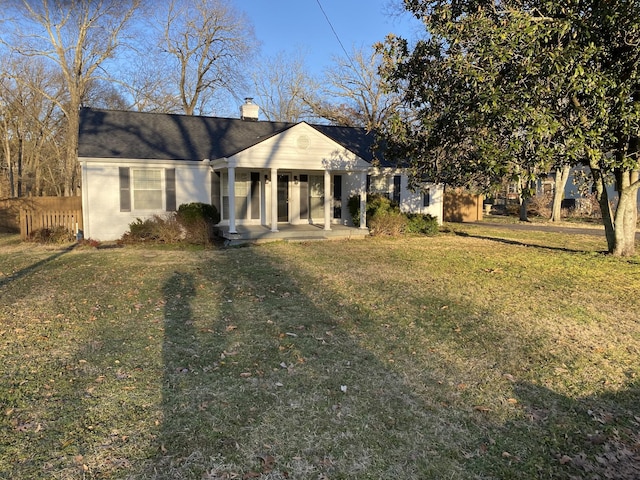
(139, 135)
(300, 146)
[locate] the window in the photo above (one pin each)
(143, 189)
(242, 190)
(426, 198)
(125, 189)
(316, 196)
(147, 189)
(378, 184)
(246, 195)
(170, 189)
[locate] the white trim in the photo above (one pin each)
(143, 161)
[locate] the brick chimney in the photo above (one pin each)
(249, 110)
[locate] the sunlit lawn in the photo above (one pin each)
(480, 353)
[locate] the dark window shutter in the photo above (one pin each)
(426, 198)
(170, 188)
(337, 196)
(125, 189)
(255, 195)
(396, 189)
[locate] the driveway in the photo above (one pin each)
(543, 227)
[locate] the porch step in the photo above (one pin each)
(289, 233)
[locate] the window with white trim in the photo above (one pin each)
(379, 184)
(147, 188)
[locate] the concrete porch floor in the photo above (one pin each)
(288, 232)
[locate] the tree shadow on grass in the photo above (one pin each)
(261, 381)
(507, 241)
(595, 437)
(264, 380)
(35, 266)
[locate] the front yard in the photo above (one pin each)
(476, 354)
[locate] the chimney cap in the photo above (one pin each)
(249, 111)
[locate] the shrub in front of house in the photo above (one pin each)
(191, 223)
(163, 229)
(385, 218)
(191, 212)
(197, 220)
(54, 235)
(388, 222)
(376, 205)
(423, 224)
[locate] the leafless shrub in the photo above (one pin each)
(540, 205)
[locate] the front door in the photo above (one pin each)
(283, 198)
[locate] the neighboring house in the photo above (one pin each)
(261, 176)
(578, 192)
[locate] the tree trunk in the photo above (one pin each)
(524, 205)
(605, 208)
(71, 163)
(20, 160)
(626, 214)
(561, 178)
(524, 195)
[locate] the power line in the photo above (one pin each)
(339, 41)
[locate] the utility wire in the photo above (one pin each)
(355, 69)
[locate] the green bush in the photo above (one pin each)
(197, 219)
(384, 217)
(141, 230)
(197, 211)
(423, 224)
(353, 204)
(376, 204)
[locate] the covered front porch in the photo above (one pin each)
(298, 178)
(286, 232)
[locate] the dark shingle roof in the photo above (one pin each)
(125, 134)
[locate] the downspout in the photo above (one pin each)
(86, 224)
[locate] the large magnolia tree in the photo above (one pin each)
(515, 88)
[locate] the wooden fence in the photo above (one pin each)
(460, 206)
(28, 215)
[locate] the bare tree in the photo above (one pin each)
(207, 43)
(357, 95)
(79, 37)
(30, 125)
(150, 92)
(281, 85)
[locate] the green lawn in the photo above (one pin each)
(477, 354)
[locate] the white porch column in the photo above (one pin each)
(231, 179)
(327, 200)
(363, 200)
(274, 199)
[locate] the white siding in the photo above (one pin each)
(103, 219)
(299, 148)
(410, 201)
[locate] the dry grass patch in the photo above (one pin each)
(476, 356)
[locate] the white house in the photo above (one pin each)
(262, 177)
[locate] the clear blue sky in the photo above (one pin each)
(292, 25)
